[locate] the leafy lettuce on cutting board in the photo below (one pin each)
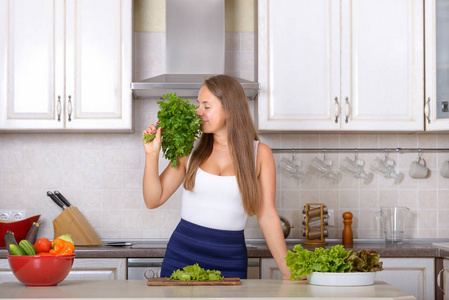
(333, 260)
(195, 272)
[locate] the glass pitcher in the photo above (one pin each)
(392, 219)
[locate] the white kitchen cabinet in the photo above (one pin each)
(415, 276)
(82, 269)
(98, 269)
(5, 272)
(340, 65)
(269, 269)
(442, 280)
(437, 65)
(65, 65)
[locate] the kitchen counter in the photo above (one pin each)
(259, 249)
(249, 289)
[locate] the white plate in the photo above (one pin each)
(342, 279)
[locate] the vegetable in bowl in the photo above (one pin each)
(180, 127)
(303, 262)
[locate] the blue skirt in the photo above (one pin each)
(213, 249)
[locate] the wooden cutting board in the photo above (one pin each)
(165, 281)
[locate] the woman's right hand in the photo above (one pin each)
(153, 146)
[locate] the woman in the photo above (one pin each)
(228, 177)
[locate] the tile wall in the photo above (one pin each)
(102, 173)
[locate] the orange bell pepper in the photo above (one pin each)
(61, 247)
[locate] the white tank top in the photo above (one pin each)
(215, 201)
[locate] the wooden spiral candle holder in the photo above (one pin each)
(315, 212)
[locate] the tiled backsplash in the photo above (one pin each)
(427, 198)
(101, 174)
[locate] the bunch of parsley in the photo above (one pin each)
(180, 127)
(334, 260)
(195, 272)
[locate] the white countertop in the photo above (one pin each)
(249, 289)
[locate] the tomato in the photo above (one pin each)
(42, 245)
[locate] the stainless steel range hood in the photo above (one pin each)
(184, 85)
(195, 43)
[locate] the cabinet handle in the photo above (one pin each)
(336, 109)
(427, 110)
(69, 108)
(439, 281)
(58, 108)
(347, 109)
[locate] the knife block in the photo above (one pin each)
(72, 221)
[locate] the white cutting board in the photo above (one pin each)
(441, 245)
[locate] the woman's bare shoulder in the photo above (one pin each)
(264, 152)
(265, 160)
(264, 149)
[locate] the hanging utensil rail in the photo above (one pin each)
(398, 150)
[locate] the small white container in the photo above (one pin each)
(342, 279)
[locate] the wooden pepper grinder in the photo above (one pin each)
(347, 230)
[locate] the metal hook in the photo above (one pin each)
(355, 154)
(419, 154)
(324, 154)
(293, 154)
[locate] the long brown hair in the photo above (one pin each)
(241, 137)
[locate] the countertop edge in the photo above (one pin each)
(249, 289)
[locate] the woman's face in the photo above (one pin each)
(211, 112)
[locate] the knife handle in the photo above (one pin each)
(56, 200)
(63, 199)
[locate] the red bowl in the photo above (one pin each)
(19, 228)
(38, 270)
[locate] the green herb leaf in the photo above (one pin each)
(180, 127)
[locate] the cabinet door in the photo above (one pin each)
(415, 276)
(6, 274)
(445, 275)
(31, 64)
(98, 269)
(98, 64)
(382, 65)
(269, 269)
(299, 64)
(437, 65)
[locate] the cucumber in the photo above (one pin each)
(27, 247)
(32, 233)
(15, 250)
(10, 240)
